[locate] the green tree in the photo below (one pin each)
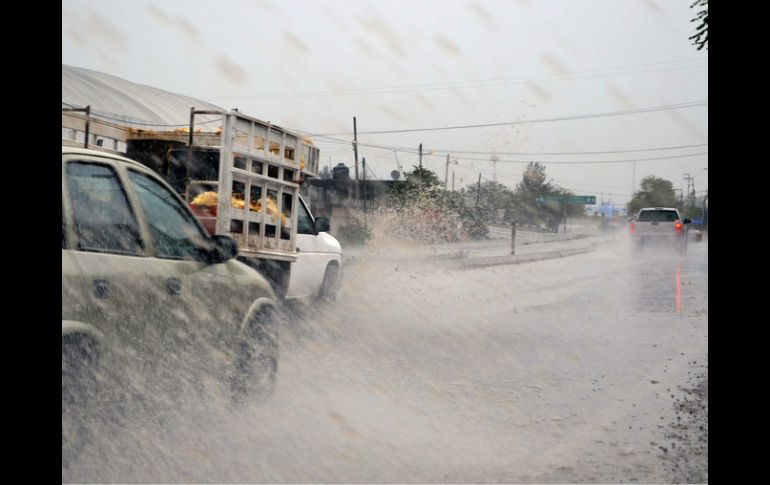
(533, 181)
(491, 196)
(423, 177)
(653, 192)
(701, 37)
(428, 212)
(528, 208)
(421, 183)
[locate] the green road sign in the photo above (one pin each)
(572, 199)
(550, 199)
(581, 199)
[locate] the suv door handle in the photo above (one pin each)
(102, 289)
(174, 286)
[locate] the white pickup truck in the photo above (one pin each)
(242, 180)
(659, 225)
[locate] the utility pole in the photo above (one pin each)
(688, 179)
(355, 151)
(494, 160)
(478, 191)
(363, 162)
(398, 164)
(446, 173)
(564, 205)
(453, 180)
(513, 236)
(633, 181)
(420, 157)
(692, 197)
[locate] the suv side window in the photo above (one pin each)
(304, 221)
(101, 216)
(173, 229)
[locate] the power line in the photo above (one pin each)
(434, 154)
(443, 151)
(691, 104)
(470, 83)
(698, 175)
(453, 151)
(583, 162)
(456, 152)
(572, 153)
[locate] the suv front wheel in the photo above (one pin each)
(256, 358)
(78, 390)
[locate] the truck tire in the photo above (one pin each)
(330, 285)
(256, 362)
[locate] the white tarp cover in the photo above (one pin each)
(124, 102)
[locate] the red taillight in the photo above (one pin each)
(631, 227)
(678, 227)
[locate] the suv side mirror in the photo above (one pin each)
(224, 248)
(321, 225)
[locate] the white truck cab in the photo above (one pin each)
(316, 272)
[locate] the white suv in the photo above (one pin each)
(144, 283)
(659, 225)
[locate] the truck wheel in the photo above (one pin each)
(78, 378)
(330, 285)
(256, 363)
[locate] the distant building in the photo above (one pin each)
(335, 197)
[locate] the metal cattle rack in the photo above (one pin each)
(258, 186)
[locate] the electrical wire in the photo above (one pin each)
(691, 104)
(548, 162)
(453, 152)
(468, 84)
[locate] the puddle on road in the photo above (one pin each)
(419, 374)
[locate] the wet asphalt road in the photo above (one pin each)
(589, 368)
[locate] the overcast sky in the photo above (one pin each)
(404, 65)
